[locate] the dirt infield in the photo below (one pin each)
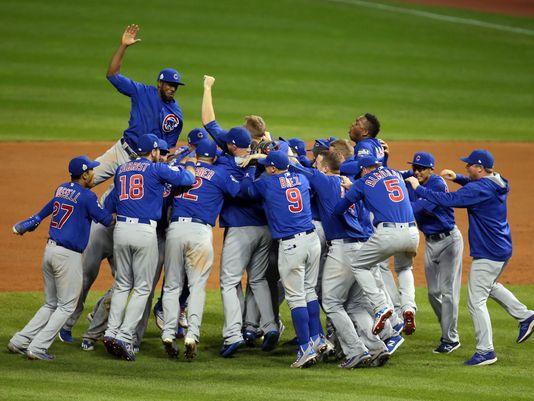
(28, 184)
(519, 8)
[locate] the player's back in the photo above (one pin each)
(370, 147)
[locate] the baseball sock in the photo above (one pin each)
(301, 323)
(314, 312)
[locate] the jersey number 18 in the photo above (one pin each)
(133, 188)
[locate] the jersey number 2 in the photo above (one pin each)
(295, 200)
(394, 190)
(57, 207)
(188, 195)
(134, 190)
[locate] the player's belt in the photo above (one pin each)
(438, 236)
(388, 224)
(297, 235)
(188, 220)
(54, 242)
(127, 148)
(135, 220)
(344, 241)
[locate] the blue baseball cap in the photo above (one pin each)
(323, 143)
(239, 136)
(276, 158)
(481, 157)
(163, 145)
(423, 159)
(147, 142)
(368, 161)
(170, 75)
(80, 165)
(196, 135)
(206, 148)
(298, 146)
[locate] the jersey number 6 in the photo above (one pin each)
(135, 190)
(295, 200)
(394, 190)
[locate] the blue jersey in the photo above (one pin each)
(218, 134)
(286, 201)
(314, 206)
(73, 207)
(149, 114)
(430, 217)
(328, 193)
(384, 194)
(485, 200)
(205, 198)
(371, 147)
(140, 185)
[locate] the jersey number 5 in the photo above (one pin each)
(394, 190)
(134, 190)
(295, 200)
(57, 207)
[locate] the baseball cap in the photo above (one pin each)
(170, 75)
(162, 145)
(481, 157)
(147, 142)
(276, 158)
(196, 135)
(368, 161)
(323, 143)
(298, 146)
(80, 165)
(239, 136)
(423, 159)
(206, 148)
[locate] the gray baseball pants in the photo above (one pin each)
(136, 258)
(109, 161)
(188, 250)
(483, 284)
(390, 286)
(324, 251)
(443, 270)
(245, 249)
(62, 271)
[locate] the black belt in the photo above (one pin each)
(394, 225)
(139, 220)
(188, 220)
(297, 235)
(438, 236)
(345, 240)
(57, 243)
(128, 149)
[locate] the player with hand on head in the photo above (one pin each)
(443, 253)
(139, 185)
(153, 109)
(73, 207)
(484, 194)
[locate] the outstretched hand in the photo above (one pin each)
(129, 37)
(448, 175)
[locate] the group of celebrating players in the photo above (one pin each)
(317, 233)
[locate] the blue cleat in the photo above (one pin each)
(125, 350)
(446, 348)
(39, 355)
(526, 327)
(228, 350)
(393, 343)
(111, 346)
(358, 361)
(88, 345)
(270, 340)
(398, 327)
(250, 338)
(306, 356)
(482, 359)
(65, 336)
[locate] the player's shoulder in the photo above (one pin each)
(437, 182)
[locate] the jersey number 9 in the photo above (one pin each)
(295, 200)
(134, 190)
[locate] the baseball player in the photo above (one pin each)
(153, 109)
(443, 253)
(386, 197)
(72, 207)
(246, 241)
(484, 193)
(189, 246)
(139, 185)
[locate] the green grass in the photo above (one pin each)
(414, 373)
(309, 67)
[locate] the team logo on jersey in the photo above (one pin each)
(170, 122)
(364, 152)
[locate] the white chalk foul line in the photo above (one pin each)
(439, 17)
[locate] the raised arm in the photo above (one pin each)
(129, 37)
(208, 113)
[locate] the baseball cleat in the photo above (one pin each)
(158, 314)
(526, 327)
(281, 328)
(250, 338)
(358, 361)
(321, 345)
(398, 327)
(379, 358)
(125, 350)
(90, 317)
(170, 347)
(14, 349)
(380, 319)
(409, 322)
(270, 340)
(446, 348)
(111, 346)
(190, 352)
(182, 319)
(393, 343)
(306, 356)
(228, 350)
(478, 359)
(39, 355)
(88, 345)
(65, 336)
(180, 333)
